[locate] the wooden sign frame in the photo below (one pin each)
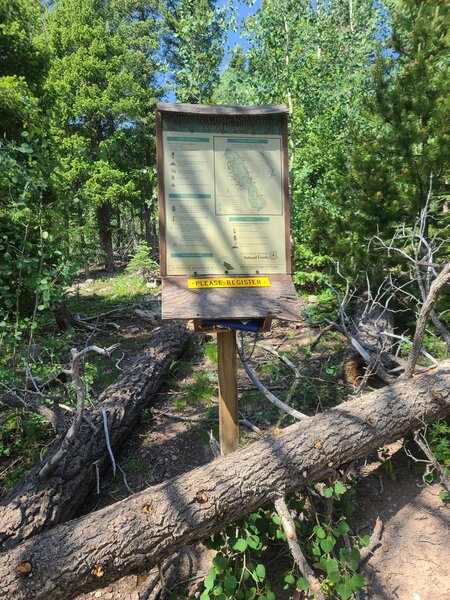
(179, 301)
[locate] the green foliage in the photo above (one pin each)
(438, 438)
(201, 390)
(194, 47)
(141, 263)
(23, 436)
(238, 569)
(210, 351)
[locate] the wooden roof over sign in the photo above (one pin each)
(213, 109)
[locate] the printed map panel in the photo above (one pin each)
(247, 175)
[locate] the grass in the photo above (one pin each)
(210, 351)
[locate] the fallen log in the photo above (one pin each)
(40, 503)
(145, 528)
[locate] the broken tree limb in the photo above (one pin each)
(264, 391)
(435, 290)
(40, 503)
(75, 374)
(289, 529)
(144, 529)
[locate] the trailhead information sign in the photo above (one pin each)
(223, 200)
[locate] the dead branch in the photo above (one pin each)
(273, 399)
(375, 541)
(75, 374)
(423, 445)
(289, 528)
(290, 364)
(435, 290)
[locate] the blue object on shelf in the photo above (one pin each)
(251, 325)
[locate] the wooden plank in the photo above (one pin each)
(228, 399)
(277, 301)
(211, 109)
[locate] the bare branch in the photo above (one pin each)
(75, 373)
(435, 289)
(297, 554)
(278, 403)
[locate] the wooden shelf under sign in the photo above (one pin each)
(278, 300)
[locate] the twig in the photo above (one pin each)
(278, 403)
(214, 445)
(119, 361)
(423, 445)
(297, 554)
(318, 337)
(290, 364)
(200, 419)
(375, 541)
(125, 480)
(108, 443)
(407, 341)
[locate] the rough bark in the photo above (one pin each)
(143, 529)
(104, 214)
(39, 504)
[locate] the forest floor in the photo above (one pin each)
(412, 562)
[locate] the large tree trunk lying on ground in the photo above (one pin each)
(38, 504)
(143, 529)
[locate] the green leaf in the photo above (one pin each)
(327, 544)
(240, 545)
(365, 540)
(289, 579)
(230, 582)
(254, 542)
(320, 533)
(334, 577)
(259, 573)
(328, 492)
(209, 580)
(356, 581)
(220, 562)
(344, 591)
(339, 489)
(44, 235)
(341, 528)
(302, 584)
(331, 565)
(355, 558)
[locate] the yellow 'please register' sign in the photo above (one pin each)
(223, 282)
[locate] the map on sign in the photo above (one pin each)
(223, 196)
(247, 174)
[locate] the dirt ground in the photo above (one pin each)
(414, 559)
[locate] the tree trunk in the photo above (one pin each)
(147, 527)
(104, 212)
(38, 504)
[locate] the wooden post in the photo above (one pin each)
(228, 403)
